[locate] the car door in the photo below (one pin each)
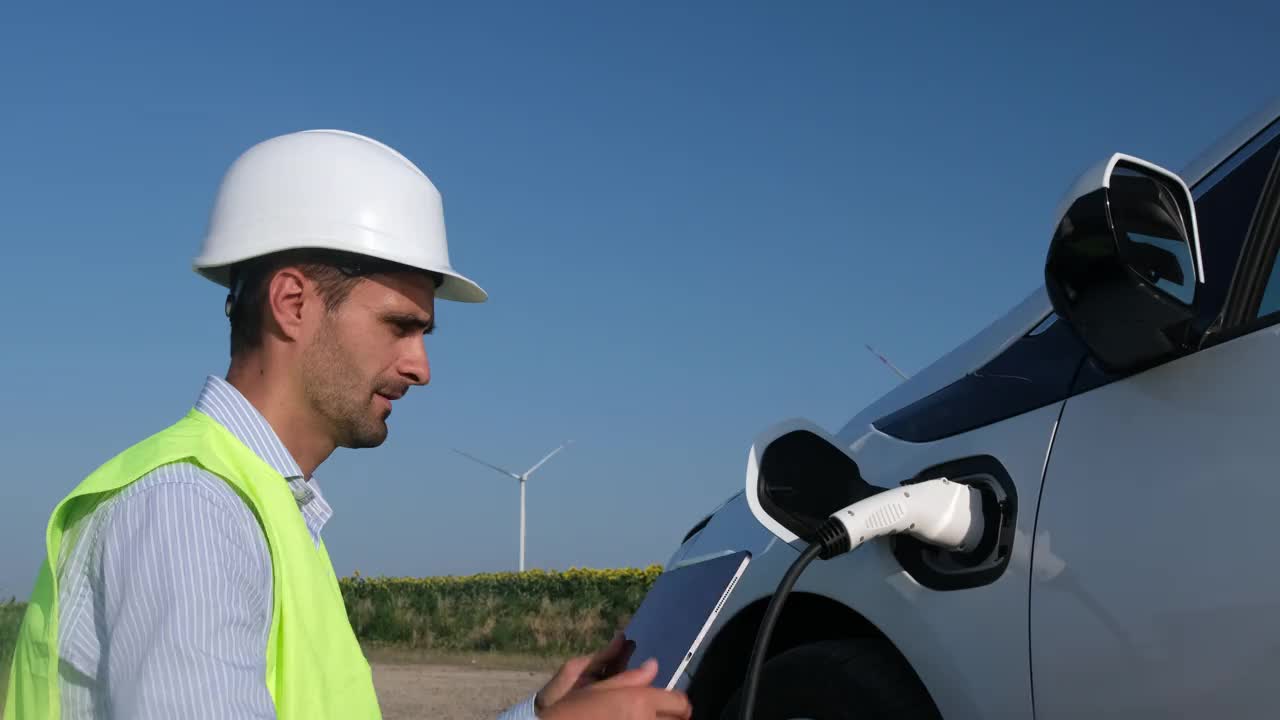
(1155, 587)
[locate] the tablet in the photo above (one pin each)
(678, 610)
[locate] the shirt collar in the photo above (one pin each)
(221, 401)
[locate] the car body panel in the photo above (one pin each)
(1162, 595)
(968, 646)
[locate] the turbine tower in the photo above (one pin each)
(521, 478)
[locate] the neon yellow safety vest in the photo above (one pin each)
(315, 667)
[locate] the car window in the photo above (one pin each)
(1271, 297)
(1270, 304)
(1223, 215)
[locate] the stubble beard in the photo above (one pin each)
(335, 390)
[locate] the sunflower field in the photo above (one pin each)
(536, 612)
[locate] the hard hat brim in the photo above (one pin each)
(460, 288)
(456, 286)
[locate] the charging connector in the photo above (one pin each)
(938, 512)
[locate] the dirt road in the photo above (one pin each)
(446, 692)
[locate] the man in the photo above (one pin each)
(186, 578)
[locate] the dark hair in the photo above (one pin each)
(335, 273)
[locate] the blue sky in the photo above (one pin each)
(689, 219)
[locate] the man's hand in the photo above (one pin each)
(582, 671)
(625, 696)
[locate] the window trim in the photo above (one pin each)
(1257, 263)
(1257, 253)
(1229, 322)
(1237, 158)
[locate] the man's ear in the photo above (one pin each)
(287, 301)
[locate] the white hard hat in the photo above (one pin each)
(330, 190)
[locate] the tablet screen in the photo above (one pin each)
(678, 610)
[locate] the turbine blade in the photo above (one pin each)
(885, 360)
(529, 472)
(502, 470)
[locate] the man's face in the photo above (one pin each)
(367, 353)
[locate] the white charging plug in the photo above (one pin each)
(938, 512)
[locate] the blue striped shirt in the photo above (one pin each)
(165, 588)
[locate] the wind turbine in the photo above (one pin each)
(521, 478)
(885, 360)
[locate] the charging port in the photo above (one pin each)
(939, 569)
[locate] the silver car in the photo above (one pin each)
(1121, 423)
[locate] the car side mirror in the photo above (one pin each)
(797, 476)
(1125, 262)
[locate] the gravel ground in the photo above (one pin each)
(449, 692)
(410, 690)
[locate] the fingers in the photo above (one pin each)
(571, 672)
(636, 677)
(619, 663)
(573, 667)
(671, 704)
(569, 676)
(611, 659)
(601, 701)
